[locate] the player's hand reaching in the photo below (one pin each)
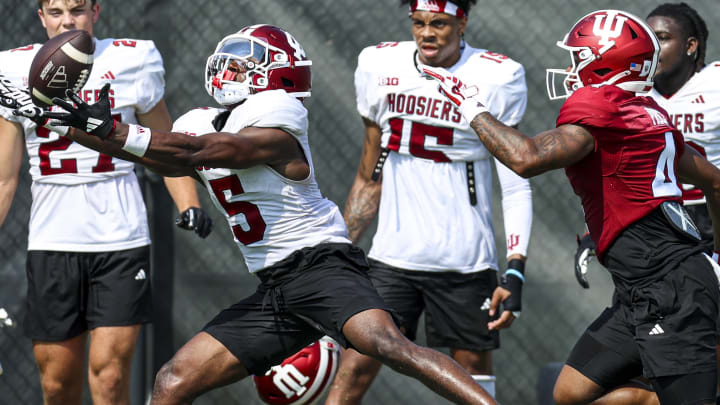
(509, 293)
(20, 102)
(195, 219)
(583, 255)
(95, 119)
(464, 97)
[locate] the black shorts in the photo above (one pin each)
(72, 292)
(664, 328)
(700, 215)
(456, 305)
(311, 293)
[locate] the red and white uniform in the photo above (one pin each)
(695, 111)
(633, 167)
(426, 221)
(270, 216)
(84, 201)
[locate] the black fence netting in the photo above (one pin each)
(210, 275)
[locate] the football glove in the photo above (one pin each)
(195, 219)
(19, 101)
(583, 255)
(95, 119)
(463, 97)
(514, 284)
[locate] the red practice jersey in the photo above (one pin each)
(634, 164)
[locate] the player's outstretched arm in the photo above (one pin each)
(364, 196)
(694, 169)
(553, 149)
(249, 147)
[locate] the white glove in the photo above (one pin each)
(465, 98)
(19, 101)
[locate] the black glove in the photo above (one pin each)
(513, 281)
(514, 284)
(195, 219)
(95, 119)
(583, 255)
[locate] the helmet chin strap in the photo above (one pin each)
(231, 94)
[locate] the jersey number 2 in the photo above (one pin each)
(665, 183)
(104, 162)
(255, 222)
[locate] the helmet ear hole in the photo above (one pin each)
(602, 72)
(287, 82)
(633, 34)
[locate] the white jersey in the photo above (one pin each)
(426, 221)
(83, 200)
(270, 216)
(695, 111)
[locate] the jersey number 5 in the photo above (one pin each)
(665, 183)
(255, 227)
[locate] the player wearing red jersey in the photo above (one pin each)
(624, 159)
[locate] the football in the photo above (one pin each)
(64, 62)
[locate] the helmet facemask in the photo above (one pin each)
(580, 57)
(240, 55)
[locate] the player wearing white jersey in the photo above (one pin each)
(88, 255)
(275, 216)
(431, 190)
(255, 161)
(688, 89)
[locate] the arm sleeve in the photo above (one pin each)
(517, 209)
(150, 80)
(363, 81)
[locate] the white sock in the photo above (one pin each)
(487, 382)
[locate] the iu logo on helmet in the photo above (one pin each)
(607, 30)
(302, 378)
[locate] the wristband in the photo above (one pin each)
(138, 140)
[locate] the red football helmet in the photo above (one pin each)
(607, 47)
(301, 378)
(269, 57)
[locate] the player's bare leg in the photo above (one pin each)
(200, 365)
(573, 388)
(472, 361)
(479, 365)
(354, 376)
(61, 368)
(110, 359)
(628, 395)
(374, 333)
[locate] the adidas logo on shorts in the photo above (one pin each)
(486, 305)
(140, 275)
(657, 330)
